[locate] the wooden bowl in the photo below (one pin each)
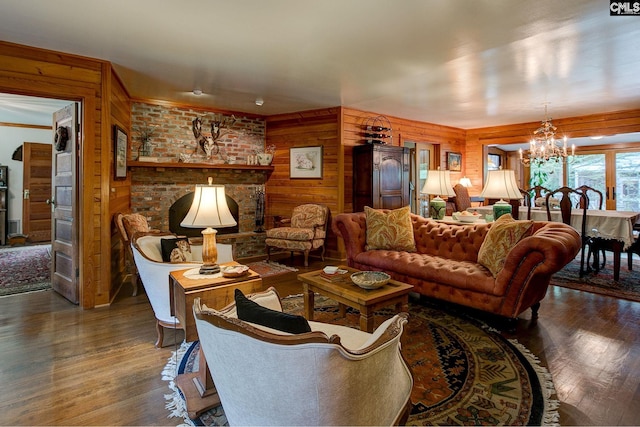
(370, 279)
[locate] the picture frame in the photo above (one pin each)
(305, 162)
(120, 148)
(494, 162)
(454, 161)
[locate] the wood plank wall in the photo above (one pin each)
(31, 71)
(119, 193)
(611, 123)
(338, 130)
(445, 138)
(305, 129)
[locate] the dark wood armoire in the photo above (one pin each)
(380, 177)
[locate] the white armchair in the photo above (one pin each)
(154, 274)
(334, 375)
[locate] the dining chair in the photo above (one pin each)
(526, 196)
(537, 192)
(598, 246)
(462, 199)
(593, 195)
(566, 207)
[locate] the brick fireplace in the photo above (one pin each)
(154, 190)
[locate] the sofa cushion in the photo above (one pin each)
(503, 235)
(250, 311)
(176, 250)
(391, 230)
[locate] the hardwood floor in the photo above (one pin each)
(64, 365)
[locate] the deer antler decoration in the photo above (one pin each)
(209, 145)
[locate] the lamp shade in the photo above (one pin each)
(465, 182)
(209, 208)
(438, 183)
(501, 184)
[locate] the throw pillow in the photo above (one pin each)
(389, 230)
(134, 223)
(251, 311)
(503, 235)
(176, 250)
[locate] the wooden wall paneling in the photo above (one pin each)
(445, 137)
(118, 191)
(304, 129)
(37, 72)
(610, 123)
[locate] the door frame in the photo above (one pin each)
(87, 99)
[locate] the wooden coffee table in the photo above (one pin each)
(349, 294)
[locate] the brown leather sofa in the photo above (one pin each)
(445, 265)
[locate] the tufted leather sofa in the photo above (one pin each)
(445, 265)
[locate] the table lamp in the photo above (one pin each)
(209, 209)
(501, 184)
(465, 182)
(438, 184)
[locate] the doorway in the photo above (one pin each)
(422, 159)
(26, 137)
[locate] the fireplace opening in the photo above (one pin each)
(179, 210)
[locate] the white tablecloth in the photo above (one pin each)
(606, 224)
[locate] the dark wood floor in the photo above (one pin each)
(64, 365)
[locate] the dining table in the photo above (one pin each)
(615, 227)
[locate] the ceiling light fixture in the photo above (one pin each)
(197, 92)
(544, 146)
(259, 102)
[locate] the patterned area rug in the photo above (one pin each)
(25, 269)
(628, 287)
(270, 268)
(464, 373)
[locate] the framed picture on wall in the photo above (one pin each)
(494, 162)
(454, 161)
(305, 162)
(120, 143)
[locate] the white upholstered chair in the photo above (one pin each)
(334, 375)
(154, 274)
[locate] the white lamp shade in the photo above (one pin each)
(209, 209)
(438, 183)
(501, 184)
(465, 182)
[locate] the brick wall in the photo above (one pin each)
(173, 134)
(155, 189)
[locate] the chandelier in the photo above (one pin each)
(544, 146)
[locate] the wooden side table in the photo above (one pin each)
(349, 294)
(197, 387)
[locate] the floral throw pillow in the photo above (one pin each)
(503, 235)
(389, 230)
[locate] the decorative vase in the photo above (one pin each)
(437, 208)
(264, 159)
(501, 208)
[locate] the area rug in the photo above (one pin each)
(25, 269)
(627, 287)
(269, 268)
(464, 373)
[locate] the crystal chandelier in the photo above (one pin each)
(544, 146)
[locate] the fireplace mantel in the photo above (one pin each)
(176, 165)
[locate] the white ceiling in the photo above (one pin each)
(460, 63)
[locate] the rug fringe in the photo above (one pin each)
(550, 416)
(175, 402)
